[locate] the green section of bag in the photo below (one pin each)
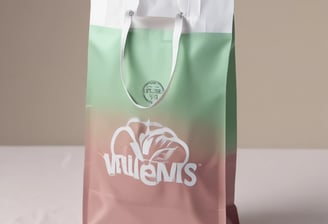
(200, 83)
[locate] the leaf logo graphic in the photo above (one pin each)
(151, 142)
(150, 152)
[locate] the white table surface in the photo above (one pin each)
(43, 185)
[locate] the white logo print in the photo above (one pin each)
(151, 153)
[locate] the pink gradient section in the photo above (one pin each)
(121, 199)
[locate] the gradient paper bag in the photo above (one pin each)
(160, 113)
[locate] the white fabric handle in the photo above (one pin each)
(178, 28)
(187, 7)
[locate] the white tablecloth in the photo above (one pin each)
(43, 185)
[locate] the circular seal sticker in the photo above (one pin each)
(152, 91)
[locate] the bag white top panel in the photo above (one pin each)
(213, 16)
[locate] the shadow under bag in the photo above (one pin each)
(160, 113)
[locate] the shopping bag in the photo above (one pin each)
(160, 113)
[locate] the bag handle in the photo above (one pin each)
(187, 7)
(178, 28)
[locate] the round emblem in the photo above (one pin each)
(152, 91)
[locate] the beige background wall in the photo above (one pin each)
(282, 72)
